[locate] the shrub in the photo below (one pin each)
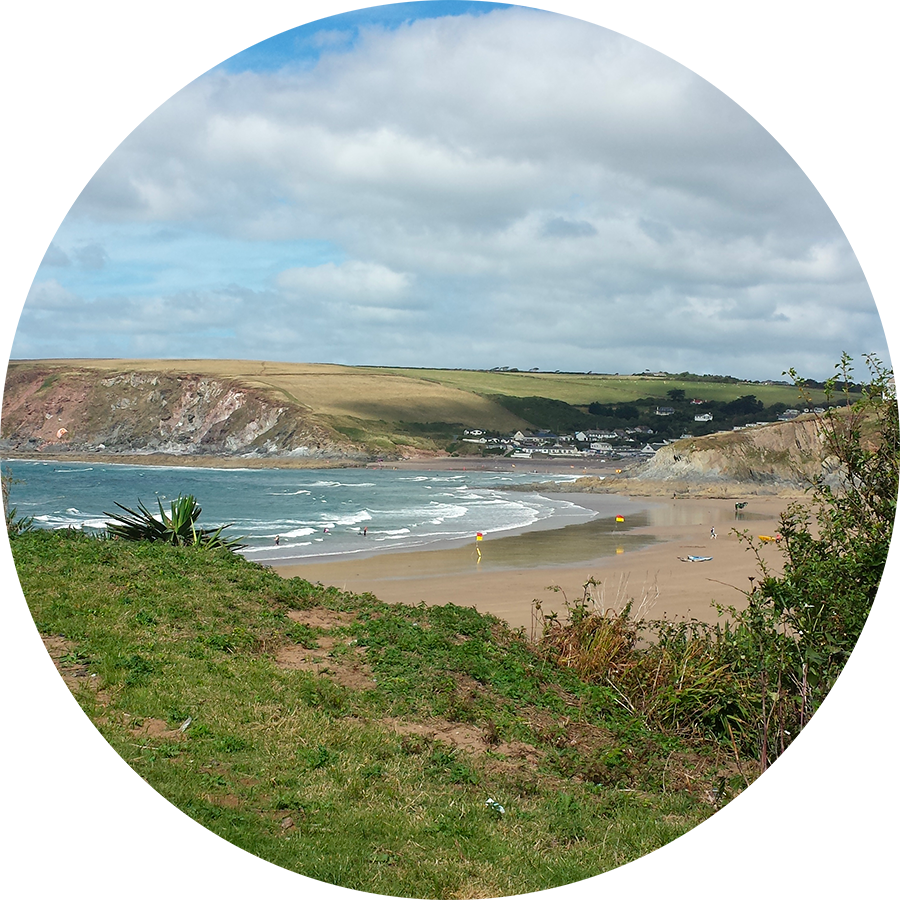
(177, 527)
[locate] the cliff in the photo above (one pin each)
(779, 455)
(80, 410)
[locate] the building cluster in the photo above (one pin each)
(789, 414)
(619, 442)
(614, 443)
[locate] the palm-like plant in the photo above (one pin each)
(178, 527)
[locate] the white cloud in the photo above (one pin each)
(357, 281)
(502, 169)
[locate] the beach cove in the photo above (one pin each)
(640, 559)
(405, 530)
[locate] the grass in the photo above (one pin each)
(580, 390)
(355, 742)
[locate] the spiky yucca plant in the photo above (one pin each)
(177, 527)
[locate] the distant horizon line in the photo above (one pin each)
(499, 370)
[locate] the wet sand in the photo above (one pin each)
(636, 560)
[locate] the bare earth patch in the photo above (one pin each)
(462, 736)
(316, 617)
(155, 728)
(347, 669)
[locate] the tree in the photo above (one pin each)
(746, 405)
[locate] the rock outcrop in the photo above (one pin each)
(782, 454)
(66, 410)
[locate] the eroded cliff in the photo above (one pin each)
(65, 410)
(782, 454)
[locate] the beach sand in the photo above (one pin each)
(636, 560)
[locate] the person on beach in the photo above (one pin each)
(712, 533)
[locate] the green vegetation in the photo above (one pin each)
(562, 417)
(753, 681)
(568, 402)
(15, 524)
(582, 389)
(355, 742)
(178, 526)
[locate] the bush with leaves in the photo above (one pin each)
(800, 627)
(754, 679)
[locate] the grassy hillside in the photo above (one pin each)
(580, 390)
(355, 742)
(382, 411)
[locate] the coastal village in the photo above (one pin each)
(604, 444)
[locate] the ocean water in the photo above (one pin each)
(314, 512)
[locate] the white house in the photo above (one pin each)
(559, 450)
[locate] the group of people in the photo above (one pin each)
(363, 532)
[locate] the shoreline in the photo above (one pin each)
(440, 463)
(595, 503)
(643, 564)
(551, 563)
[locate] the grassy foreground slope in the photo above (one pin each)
(355, 742)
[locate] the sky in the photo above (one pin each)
(454, 185)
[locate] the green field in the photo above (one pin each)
(580, 390)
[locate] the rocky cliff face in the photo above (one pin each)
(787, 454)
(81, 410)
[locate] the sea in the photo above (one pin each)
(312, 512)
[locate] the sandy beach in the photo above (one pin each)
(639, 559)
